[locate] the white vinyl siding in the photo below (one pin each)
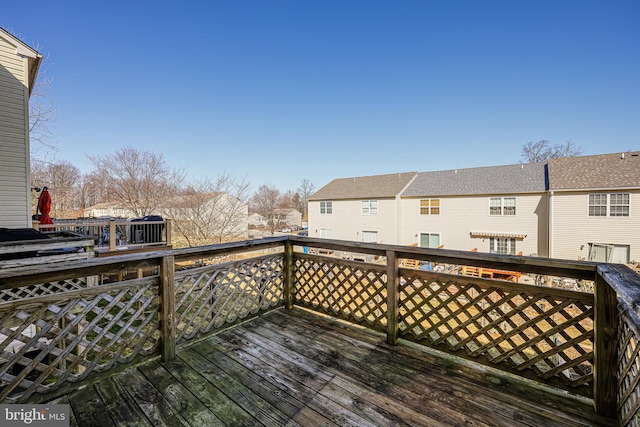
(569, 215)
(462, 215)
(347, 221)
(15, 209)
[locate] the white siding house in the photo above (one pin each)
(111, 209)
(501, 209)
(362, 209)
(595, 207)
(18, 70)
(585, 207)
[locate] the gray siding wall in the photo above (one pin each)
(15, 206)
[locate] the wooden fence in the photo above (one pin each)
(57, 328)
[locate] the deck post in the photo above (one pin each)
(288, 275)
(112, 235)
(168, 231)
(605, 348)
(167, 308)
(393, 297)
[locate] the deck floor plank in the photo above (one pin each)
(89, 410)
(121, 407)
(296, 380)
(421, 367)
(252, 403)
(295, 368)
(364, 369)
(151, 401)
(274, 392)
(181, 398)
(225, 409)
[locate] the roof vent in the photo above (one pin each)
(622, 156)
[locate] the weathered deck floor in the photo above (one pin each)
(295, 368)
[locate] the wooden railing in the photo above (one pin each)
(63, 324)
(115, 234)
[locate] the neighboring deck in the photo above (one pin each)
(298, 368)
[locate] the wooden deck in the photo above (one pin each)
(297, 368)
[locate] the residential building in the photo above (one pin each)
(257, 220)
(19, 65)
(362, 209)
(110, 209)
(584, 207)
(595, 207)
(288, 218)
(498, 209)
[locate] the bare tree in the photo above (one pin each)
(92, 189)
(42, 112)
(140, 180)
(210, 211)
(62, 179)
(304, 191)
(265, 201)
(541, 151)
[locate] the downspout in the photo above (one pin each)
(550, 242)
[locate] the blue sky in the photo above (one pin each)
(278, 91)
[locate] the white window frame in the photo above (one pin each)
(609, 205)
(369, 207)
(510, 245)
(369, 233)
(326, 208)
(326, 233)
(429, 234)
(429, 209)
(505, 206)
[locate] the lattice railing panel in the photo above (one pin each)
(49, 340)
(32, 291)
(628, 372)
(347, 290)
(519, 327)
(210, 297)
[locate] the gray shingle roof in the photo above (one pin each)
(363, 187)
(509, 179)
(594, 172)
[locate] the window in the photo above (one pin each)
(370, 236)
(619, 204)
(430, 207)
(597, 205)
(326, 233)
(369, 207)
(429, 240)
(501, 245)
(502, 206)
(600, 252)
(326, 207)
(614, 204)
